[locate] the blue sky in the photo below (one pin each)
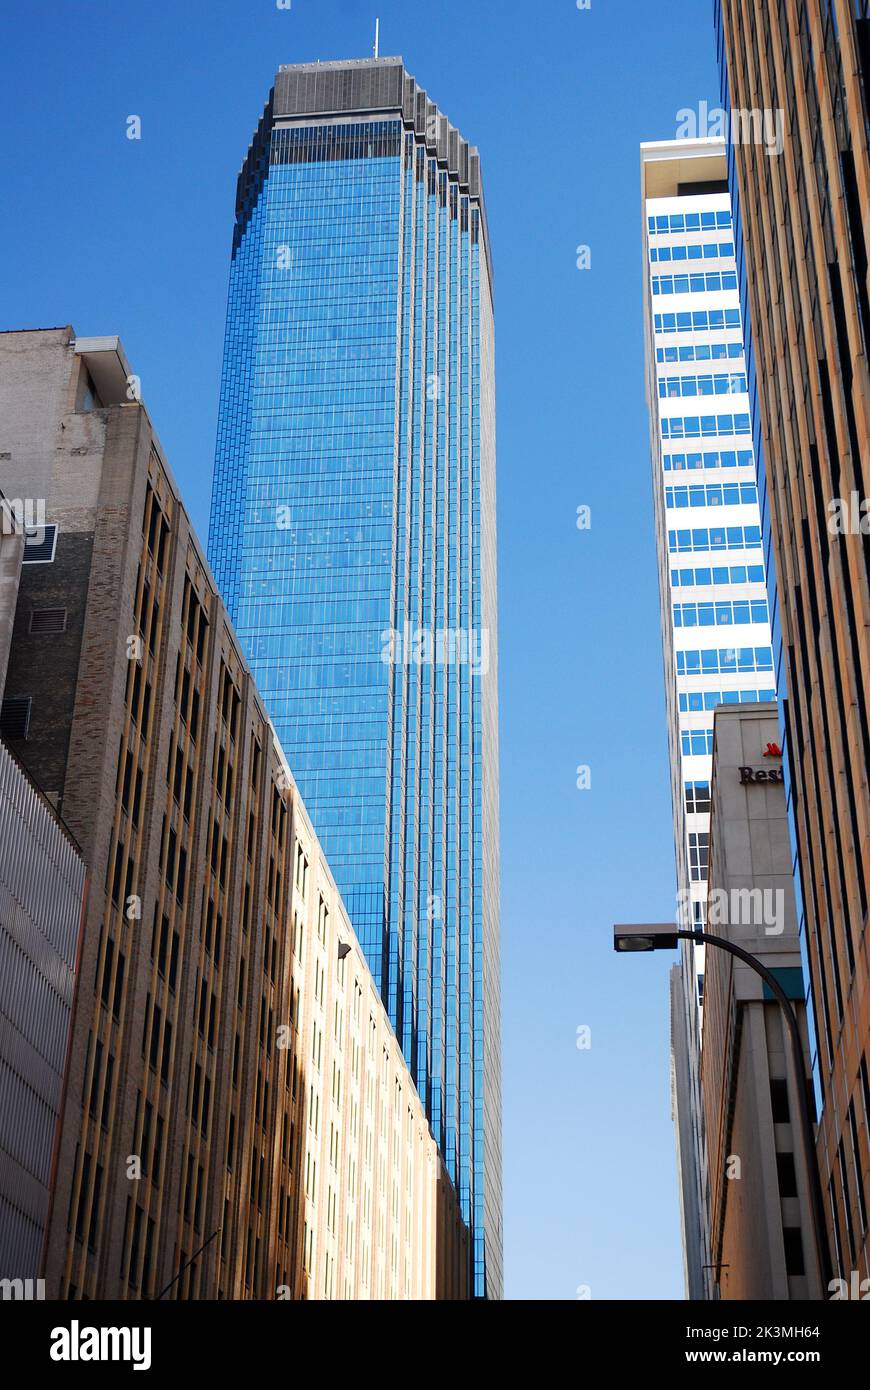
(133, 237)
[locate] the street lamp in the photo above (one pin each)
(663, 936)
(656, 936)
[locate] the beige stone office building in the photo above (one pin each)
(239, 1119)
(761, 1232)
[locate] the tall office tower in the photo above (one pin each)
(801, 209)
(353, 536)
(715, 621)
(239, 1120)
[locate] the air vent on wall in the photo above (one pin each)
(45, 620)
(39, 545)
(15, 717)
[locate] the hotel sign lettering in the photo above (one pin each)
(763, 774)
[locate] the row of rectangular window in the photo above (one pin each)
(710, 384)
(697, 321)
(718, 660)
(704, 426)
(696, 701)
(688, 222)
(711, 495)
(310, 144)
(700, 251)
(709, 458)
(715, 538)
(699, 352)
(713, 282)
(717, 574)
(728, 612)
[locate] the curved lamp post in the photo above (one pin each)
(663, 937)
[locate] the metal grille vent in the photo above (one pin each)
(39, 545)
(48, 620)
(15, 717)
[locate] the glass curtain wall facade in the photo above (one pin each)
(715, 613)
(353, 537)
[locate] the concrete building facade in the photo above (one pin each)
(42, 898)
(239, 1120)
(761, 1231)
(803, 228)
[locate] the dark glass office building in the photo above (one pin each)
(353, 538)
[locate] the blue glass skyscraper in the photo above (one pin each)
(353, 537)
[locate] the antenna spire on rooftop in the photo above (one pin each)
(377, 38)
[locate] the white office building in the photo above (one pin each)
(715, 621)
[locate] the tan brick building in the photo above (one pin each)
(238, 1110)
(805, 215)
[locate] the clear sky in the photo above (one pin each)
(133, 237)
